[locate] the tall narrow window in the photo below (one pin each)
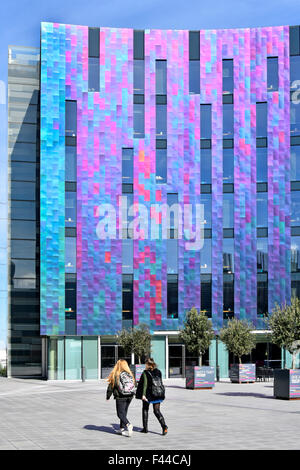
(262, 255)
(172, 202)
(295, 254)
(194, 62)
(272, 73)
(70, 208)
(127, 166)
(262, 210)
(262, 295)
(206, 201)
(227, 76)
(228, 255)
(138, 77)
(261, 120)
(206, 294)
(94, 61)
(70, 255)
(138, 85)
(205, 121)
(295, 117)
(172, 296)
(295, 163)
(161, 161)
(228, 165)
(228, 296)
(295, 212)
(139, 119)
(161, 77)
(206, 256)
(127, 300)
(172, 256)
(70, 304)
(228, 123)
(71, 118)
(70, 163)
(294, 40)
(205, 162)
(261, 164)
(228, 211)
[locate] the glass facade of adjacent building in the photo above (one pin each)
(121, 132)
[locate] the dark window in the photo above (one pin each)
(205, 161)
(295, 118)
(138, 121)
(172, 296)
(262, 255)
(295, 163)
(71, 118)
(228, 255)
(262, 210)
(272, 73)
(228, 143)
(161, 121)
(294, 40)
(26, 133)
(227, 76)
(262, 294)
(71, 164)
(206, 294)
(161, 77)
(23, 210)
(261, 120)
(127, 166)
(94, 74)
(262, 164)
(23, 229)
(228, 165)
(262, 232)
(172, 201)
(23, 249)
(94, 42)
(23, 268)
(228, 296)
(205, 121)
(161, 166)
(138, 44)
(23, 191)
(127, 297)
(23, 152)
(194, 77)
(138, 77)
(261, 142)
(228, 127)
(23, 171)
(70, 208)
(294, 74)
(205, 188)
(70, 304)
(295, 210)
(194, 45)
(295, 285)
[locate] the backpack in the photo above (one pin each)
(126, 384)
(157, 388)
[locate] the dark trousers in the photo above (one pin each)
(156, 411)
(122, 406)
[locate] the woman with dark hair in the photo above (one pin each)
(121, 385)
(151, 390)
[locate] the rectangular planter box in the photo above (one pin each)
(200, 377)
(287, 383)
(137, 370)
(242, 373)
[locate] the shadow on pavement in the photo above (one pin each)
(241, 394)
(112, 429)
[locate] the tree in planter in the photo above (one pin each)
(197, 333)
(285, 325)
(238, 338)
(137, 341)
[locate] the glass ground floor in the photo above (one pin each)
(92, 358)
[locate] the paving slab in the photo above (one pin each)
(75, 415)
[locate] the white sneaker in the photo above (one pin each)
(120, 431)
(128, 431)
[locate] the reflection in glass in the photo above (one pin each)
(261, 164)
(94, 74)
(228, 211)
(262, 255)
(295, 213)
(194, 77)
(205, 121)
(70, 208)
(294, 72)
(161, 77)
(161, 121)
(295, 254)
(172, 296)
(228, 121)
(262, 294)
(70, 255)
(127, 256)
(262, 210)
(172, 256)
(205, 161)
(205, 255)
(227, 76)
(71, 118)
(138, 77)
(272, 73)
(228, 255)
(228, 166)
(206, 296)
(127, 166)
(127, 297)
(138, 121)
(295, 162)
(161, 166)
(228, 296)
(261, 119)
(206, 201)
(71, 163)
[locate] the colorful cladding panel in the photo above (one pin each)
(105, 126)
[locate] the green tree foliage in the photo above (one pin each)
(136, 340)
(197, 333)
(238, 338)
(285, 325)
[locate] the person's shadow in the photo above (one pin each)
(111, 430)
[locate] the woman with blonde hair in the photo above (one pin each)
(121, 385)
(151, 390)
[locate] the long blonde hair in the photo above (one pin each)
(121, 366)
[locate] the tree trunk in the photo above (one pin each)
(200, 360)
(293, 360)
(240, 360)
(139, 359)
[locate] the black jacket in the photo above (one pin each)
(148, 375)
(114, 390)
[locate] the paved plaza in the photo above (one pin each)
(75, 415)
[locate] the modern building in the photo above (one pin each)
(117, 140)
